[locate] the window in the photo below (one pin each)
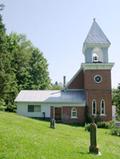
(37, 108)
(95, 57)
(34, 108)
(98, 78)
(73, 113)
(30, 108)
(102, 107)
(94, 107)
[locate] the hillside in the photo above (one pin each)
(24, 138)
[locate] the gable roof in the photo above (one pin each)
(77, 76)
(96, 36)
(52, 96)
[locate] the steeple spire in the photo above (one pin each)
(94, 19)
(95, 37)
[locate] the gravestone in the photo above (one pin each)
(52, 123)
(93, 139)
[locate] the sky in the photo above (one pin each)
(59, 27)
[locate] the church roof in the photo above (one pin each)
(96, 36)
(52, 96)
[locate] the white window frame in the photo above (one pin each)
(74, 110)
(100, 78)
(102, 101)
(94, 101)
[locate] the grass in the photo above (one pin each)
(25, 138)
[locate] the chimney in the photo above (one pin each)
(64, 82)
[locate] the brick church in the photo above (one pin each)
(88, 92)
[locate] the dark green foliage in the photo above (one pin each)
(7, 77)
(115, 131)
(90, 118)
(56, 86)
(22, 66)
(2, 105)
(116, 101)
(38, 73)
(103, 124)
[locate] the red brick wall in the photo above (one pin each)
(78, 82)
(98, 96)
(99, 91)
(66, 115)
(89, 82)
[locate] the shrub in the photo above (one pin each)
(103, 124)
(115, 131)
(87, 127)
(10, 108)
(2, 105)
(90, 118)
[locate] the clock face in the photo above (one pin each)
(98, 78)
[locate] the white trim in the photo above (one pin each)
(55, 104)
(95, 79)
(74, 110)
(92, 45)
(102, 100)
(94, 100)
(97, 66)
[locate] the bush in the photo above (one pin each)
(103, 124)
(87, 127)
(2, 105)
(10, 108)
(90, 118)
(115, 131)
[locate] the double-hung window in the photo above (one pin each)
(34, 108)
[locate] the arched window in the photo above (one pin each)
(74, 113)
(102, 107)
(94, 108)
(95, 57)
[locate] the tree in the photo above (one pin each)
(22, 66)
(21, 50)
(7, 78)
(56, 86)
(28, 63)
(116, 100)
(39, 76)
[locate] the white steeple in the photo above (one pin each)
(95, 46)
(95, 37)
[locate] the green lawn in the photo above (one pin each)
(24, 138)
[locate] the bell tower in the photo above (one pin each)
(97, 73)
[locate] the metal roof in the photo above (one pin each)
(96, 35)
(52, 96)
